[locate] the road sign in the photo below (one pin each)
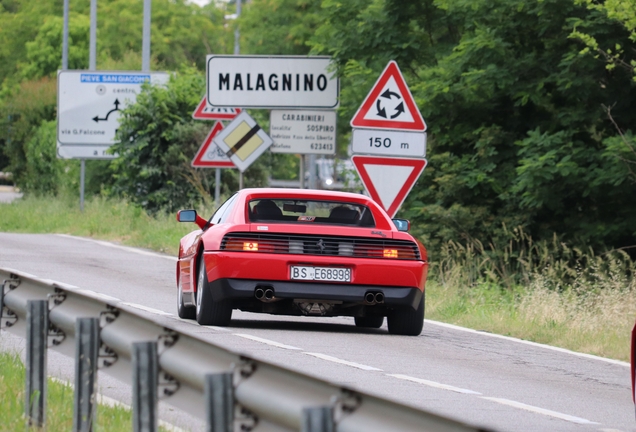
(89, 103)
(388, 180)
(209, 154)
(84, 152)
(389, 104)
(271, 82)
(205, 111)
(243, 141)
(389, 142)
(303, 132)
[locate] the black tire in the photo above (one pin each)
(407, 322)
(209, 312)
(373, 321)
(185, 312)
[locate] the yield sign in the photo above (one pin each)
(389, 104)
(388, 180)
(209, 155)
(205, 111)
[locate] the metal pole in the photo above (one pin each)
(145, 371)
(317, 419)
(65, 37)
(82, 177)
(312, 171)
(86, 353)
(217, 187)
(92, 56)
(37, 333)
(237, 34)
(237, 50)
(219, 402)
(301, 175)
(145, 44)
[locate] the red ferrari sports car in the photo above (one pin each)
(302, 252)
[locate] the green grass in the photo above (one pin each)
(59, 413)
(106, 219)
(549, 294)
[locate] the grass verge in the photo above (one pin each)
(59, 414)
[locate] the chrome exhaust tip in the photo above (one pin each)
(379, 297)
(369, 298)
(269, 294)
(259, 293)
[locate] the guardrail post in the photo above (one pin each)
(317, 419)
(86, 353)
(145, 376)
(37, 334)
(219, 402)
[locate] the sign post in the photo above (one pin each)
(293, 82)
(389, 140)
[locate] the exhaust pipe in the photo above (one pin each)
(269, 294)
(259, 293)
(379, 297)
(369, 298)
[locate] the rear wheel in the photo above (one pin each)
(407, 322)
(373, 321)
(185, 312)
(208, 311)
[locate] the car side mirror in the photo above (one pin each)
(187, 215)
(402, 224)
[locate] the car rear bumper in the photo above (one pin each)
(241, 289)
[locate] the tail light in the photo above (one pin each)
(250, 246)
(390, 253)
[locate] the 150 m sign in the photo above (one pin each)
(389, 142)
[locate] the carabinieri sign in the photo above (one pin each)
(271, 82)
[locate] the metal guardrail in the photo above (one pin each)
(227, 390)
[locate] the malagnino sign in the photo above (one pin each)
(271, 82)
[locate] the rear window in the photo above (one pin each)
(310, 212)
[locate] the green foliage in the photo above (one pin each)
(21, 114)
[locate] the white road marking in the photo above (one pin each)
(267, 341)
(221, 329)
(434, 384)
(611, 430)
(126, 248)
(344, 362)
(508, 338)
(538, 410)
(146, 308)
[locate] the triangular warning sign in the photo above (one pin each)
(206, 111)
(389, 104)
(388, 180)
(209, 155)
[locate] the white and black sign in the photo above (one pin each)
(303, 132)
(271, 82)
(389, 142)
(89, 103)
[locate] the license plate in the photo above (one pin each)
(329, 274)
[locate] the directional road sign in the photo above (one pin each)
(389, 142)
(389, 104)
(84, 152)
(243, 141)
(89, 103)
(209, 154)
(388, 180)
(271, 82)
(303, 132)
(205, 111)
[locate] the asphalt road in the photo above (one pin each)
(483, 379)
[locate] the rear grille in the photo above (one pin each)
(357, 247)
